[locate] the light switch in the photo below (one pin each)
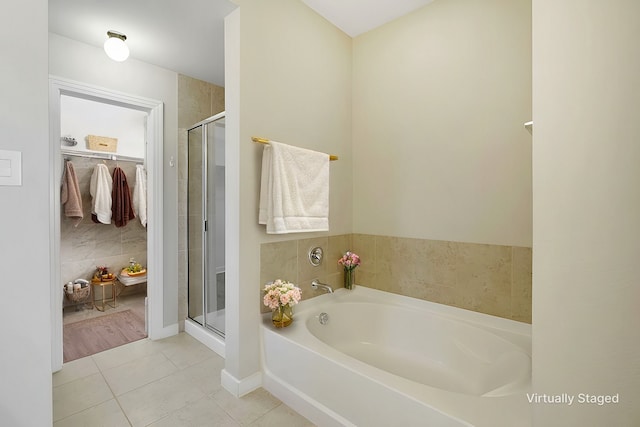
(10, 167)
(5, 167)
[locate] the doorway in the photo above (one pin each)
(151, 159)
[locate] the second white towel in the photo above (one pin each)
(294, 192)
(140, 195)
(100, 190)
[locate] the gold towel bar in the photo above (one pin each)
(266, 141)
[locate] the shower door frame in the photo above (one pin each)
(205, 225)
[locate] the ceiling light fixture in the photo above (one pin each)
(115, 47)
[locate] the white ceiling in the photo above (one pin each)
(186, 36)
(355, 17)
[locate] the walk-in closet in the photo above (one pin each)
(103, 219)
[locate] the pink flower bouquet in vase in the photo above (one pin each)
(280, 296)
(349, 261)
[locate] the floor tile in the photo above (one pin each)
(107, 414)
(248, 408)
(74, 370)
(206, 374)
(184, 350)
(203, 413)
(78, 395)
(282, 415)
(125, 354)
(158, 399)
(172, 382)
(134, 374)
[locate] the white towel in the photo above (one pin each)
(294, 191)
(100, 190)
(140, 195)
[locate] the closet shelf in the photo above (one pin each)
(98, 155)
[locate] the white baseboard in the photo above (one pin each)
(211, 340)
(166, 332)
(239, 388)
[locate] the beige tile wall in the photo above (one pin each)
(490, 279)
(197, 100)
(289, 260)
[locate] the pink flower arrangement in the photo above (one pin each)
(349, 260)
(280, 293)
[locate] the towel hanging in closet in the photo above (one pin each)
(100, 190)
(122, 207)
(70, 195)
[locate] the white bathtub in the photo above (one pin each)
(384, 359)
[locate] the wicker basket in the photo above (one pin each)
(79, 295)
(102, 143)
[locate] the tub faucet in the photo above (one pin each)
(315, 284)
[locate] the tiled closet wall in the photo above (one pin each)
(492, 279)
(197, 100)
(87, 245)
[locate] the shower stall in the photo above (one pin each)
(206, 224)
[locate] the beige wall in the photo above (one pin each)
(441, 161)
(439, 101)
(586, 208)
(436, 149)
(197, 100)
(290, 82)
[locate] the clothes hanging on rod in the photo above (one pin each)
(100, 190)
(70, 195)
(140, 195)
(122, 207)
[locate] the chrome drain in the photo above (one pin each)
(323, 318)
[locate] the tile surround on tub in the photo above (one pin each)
(288, 260)
(491, 279)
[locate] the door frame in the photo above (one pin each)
(154, 161)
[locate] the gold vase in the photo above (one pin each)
(349, 278)
(282, 316)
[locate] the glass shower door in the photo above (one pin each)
(214, 232)
(206, 224)
(195, 225)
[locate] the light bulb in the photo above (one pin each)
(115, 47)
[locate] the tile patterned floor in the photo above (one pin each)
(167, 383)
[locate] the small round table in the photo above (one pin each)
(102, 285)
